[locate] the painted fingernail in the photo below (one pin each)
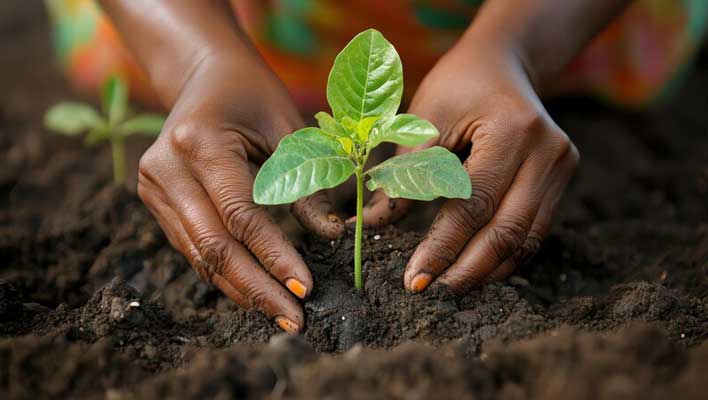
(287, 325)
(334, 219)
(296, 287)
(420, 282)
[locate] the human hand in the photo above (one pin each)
(519, 164)
(197, 180)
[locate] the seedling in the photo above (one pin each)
(73, 118)
(364, 90)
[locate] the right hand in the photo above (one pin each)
(196, 179)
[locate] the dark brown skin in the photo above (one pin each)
(229, 111)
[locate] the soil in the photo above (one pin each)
(94, 303)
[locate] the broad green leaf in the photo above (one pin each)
(366, 79)
(115, 99)
(403, 129)
(69, 118)
(329, 125)
(423, 175)
(304, 162)
(364, 127)
(145, 124)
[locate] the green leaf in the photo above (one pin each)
(423, 175)
(145, 124)
(329, 125)
(364, 127)
(349, 125)
(403, 129)
(366, 79)
(115, 100)
(96, 136)
(69, 118)
(347, 144)
(304, 162)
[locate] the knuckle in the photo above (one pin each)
(563, 149)
(270, 258)
(574, 155)
(473, 214)
(241, 218)
(561, 144)
(505, 237)
(213, 250)
(143, 191)
(528, 249)
(257, 297)
(184, 138)
(204, 269)
(527, 119)
(148, 163)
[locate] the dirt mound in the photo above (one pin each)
(94, 303)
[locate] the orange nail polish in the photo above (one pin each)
(296, 287)
(287, 325)
(420, 282)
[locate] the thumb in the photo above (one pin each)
(383, 210)
(316, 214)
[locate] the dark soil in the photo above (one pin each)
(95, 304)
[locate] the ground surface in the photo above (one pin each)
(94, 302)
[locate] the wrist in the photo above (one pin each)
(240, 95)
(498, 55)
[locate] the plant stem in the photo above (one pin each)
(118, 149)
(358, 232)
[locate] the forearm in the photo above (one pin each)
(544, 34)
(171, 39)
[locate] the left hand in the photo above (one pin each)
(480, 97)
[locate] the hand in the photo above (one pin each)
(196, 179)
(520, 163)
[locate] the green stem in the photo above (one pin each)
(358, 232)
(118, 149)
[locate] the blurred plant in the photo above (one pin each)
(73, 118)
(364, 91)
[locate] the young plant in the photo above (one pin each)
(364, 90)
(73, 118)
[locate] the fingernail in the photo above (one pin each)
(287, 325)
(333, 218)
(296, 287)
(420, 282)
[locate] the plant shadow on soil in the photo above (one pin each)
(94, 303)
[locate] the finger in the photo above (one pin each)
(491, 168)
(316, 214)
(222, 260)
(219, 163)
(511, 227)
(177, 236)
(542, 224)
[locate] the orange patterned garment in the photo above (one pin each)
(632, 63)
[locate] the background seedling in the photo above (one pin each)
(364, 92)
(73, 118)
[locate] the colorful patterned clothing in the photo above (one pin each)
(633, 62)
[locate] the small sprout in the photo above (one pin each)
(377, 237)
(72, 118)
(364, 91)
